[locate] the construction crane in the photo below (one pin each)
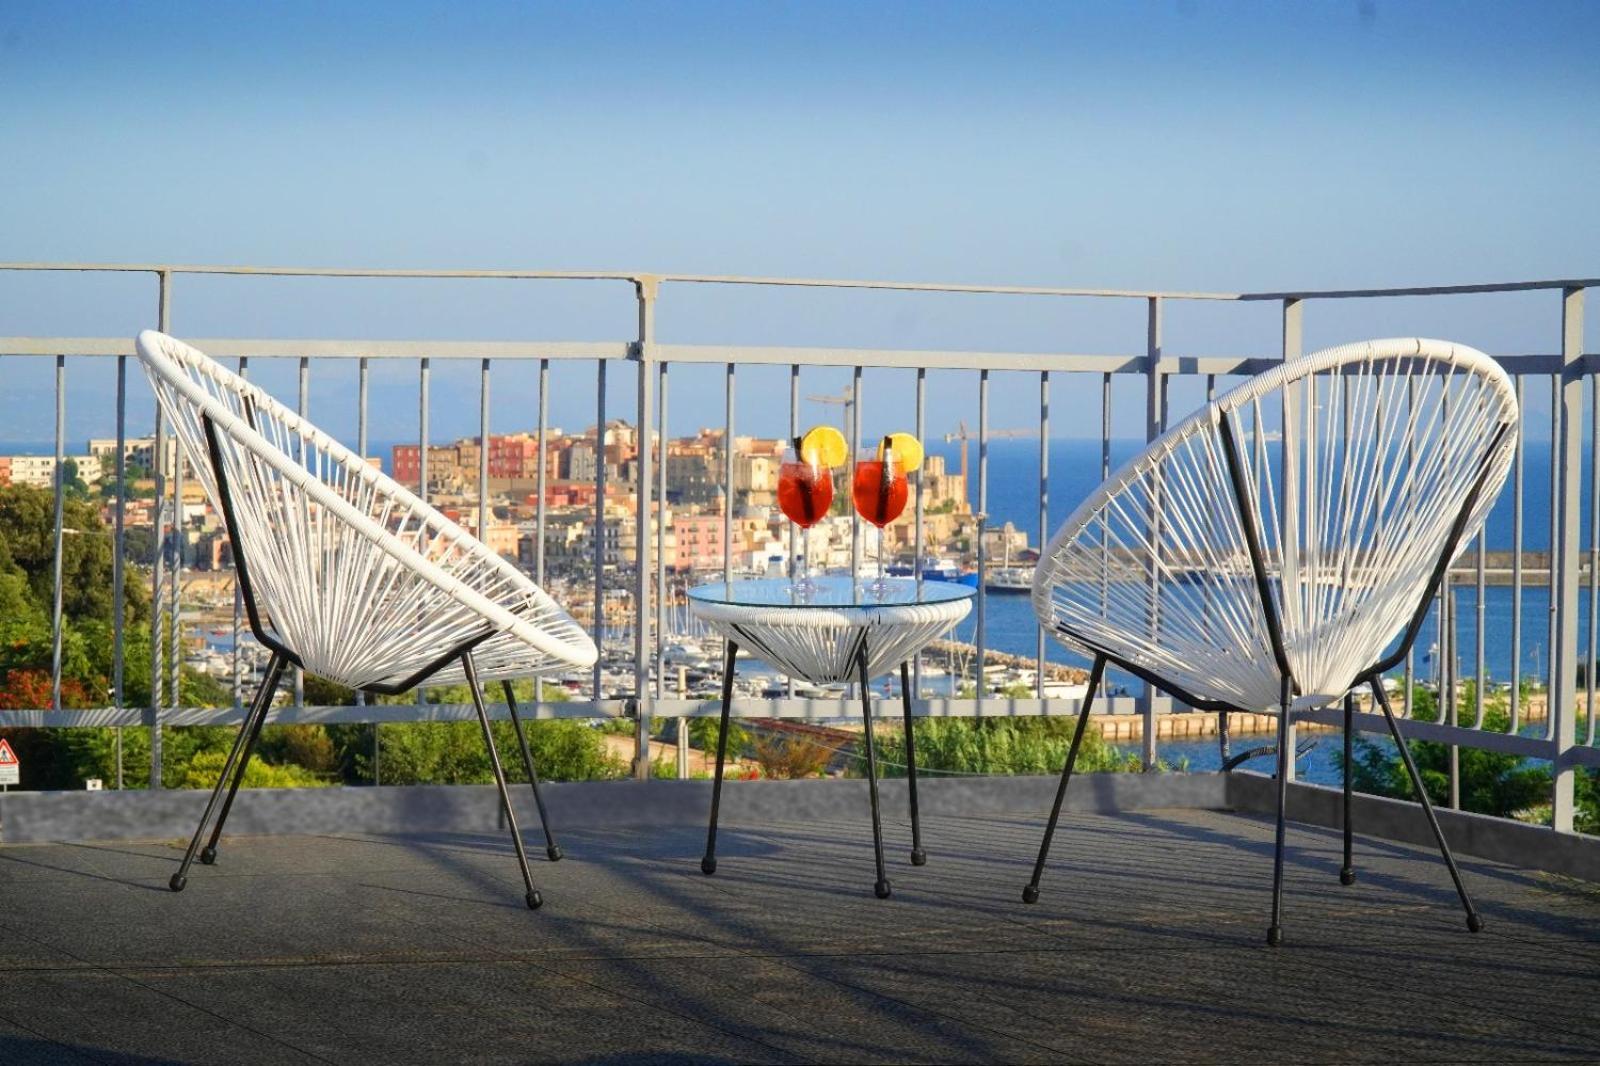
(845, 400)
(963, 435)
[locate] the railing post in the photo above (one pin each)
(159, 462)
(59, 529)
(1293, 348)
(1154, 409)
(118, 542)
(1564, 563)
(980, 638)
(646, 289)
(599, 544)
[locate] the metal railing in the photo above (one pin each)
(1567, 370)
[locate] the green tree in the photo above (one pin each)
(452, 753)
(1490, 782)
(72, 483)
(27, 525)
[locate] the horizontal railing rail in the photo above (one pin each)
(1573, 378)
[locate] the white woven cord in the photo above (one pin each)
(360, 578)
(819, 644)
(1383, 441)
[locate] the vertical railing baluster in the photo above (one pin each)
(729, 381)
(363, 381)
(919, 517)
(238, 597)
(795, 574)
(60, 518)
(119, 549)
(1516, 563)
(852, 412)
(1564, 649)
(424, 376)
(483, 451)
(599, 523)
(1155, 389)
(422, 429)
(980, 626)
(1479, 615)
(647, 289)
(303, 409)
(1044, 516)
(1105, 474)
(175, 581)
(1411, 463)
(539, 476)
(661, 534)
(1288, 531)
(1552, 572)
(159, 461)
(1594, 556)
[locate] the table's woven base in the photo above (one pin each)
(821, 645)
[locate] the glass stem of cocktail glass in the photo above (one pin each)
(803, 584)
(882, 585)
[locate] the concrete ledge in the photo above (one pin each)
(1501, 839)
(38, 817)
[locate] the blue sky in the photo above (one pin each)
(1191, 145)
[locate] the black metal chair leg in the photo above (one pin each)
(918, 856)
(532, 898)
(1347, 873)
(708, 863)
(881, 888)
(1474, 920)
(1030, 894)
(259, 709)
(1275, 930)
(246, 730)
(551, 848)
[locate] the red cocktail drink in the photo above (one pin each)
(880, 490)
(805, 492)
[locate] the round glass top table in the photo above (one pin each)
(819, 635)
(836, 630)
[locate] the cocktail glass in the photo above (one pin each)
(879, 491)
(805, 492)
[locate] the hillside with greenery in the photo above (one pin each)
(192, 756)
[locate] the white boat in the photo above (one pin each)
(1010, 579)
(680, 653)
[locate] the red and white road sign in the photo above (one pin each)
(10, 766)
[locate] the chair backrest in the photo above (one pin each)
(1355, 465)
(364, 582)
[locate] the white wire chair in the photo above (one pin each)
(348, 575)
(1265, 553)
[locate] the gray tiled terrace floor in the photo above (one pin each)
(1147, 946)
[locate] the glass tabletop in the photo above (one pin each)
(829, 592)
